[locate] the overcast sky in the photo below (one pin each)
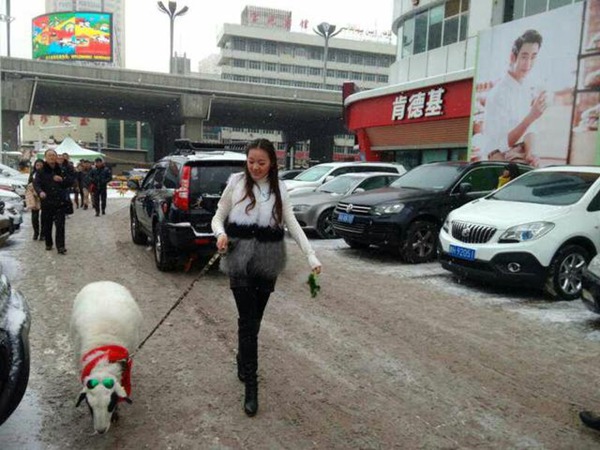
(147, 29)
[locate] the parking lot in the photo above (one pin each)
(389, 355)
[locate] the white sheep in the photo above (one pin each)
(105, 328)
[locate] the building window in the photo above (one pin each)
(254, 79)
(270, 48)
(255, 65)
(382, 78)
(240, 78)
(356, 58)
(369, 77)
(239, 63)
(315, 71)
(441, 25)
(285, 68)
(239, 44)
(271, 67)
(341, 74)
(370, 60)
(254, 46)
(287, 50)
(316, 53)
(356, 76)
(300, 52)
(330, 73)
(343, 56)
(525, 8)
(302, 70)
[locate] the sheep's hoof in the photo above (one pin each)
(115, 417)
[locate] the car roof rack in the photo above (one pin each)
(189, 147)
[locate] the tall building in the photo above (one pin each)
(263, 49)
(452, 59)
(116, 7)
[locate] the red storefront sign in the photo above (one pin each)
(436, 102)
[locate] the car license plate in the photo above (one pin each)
(462, 252)
(346, 218)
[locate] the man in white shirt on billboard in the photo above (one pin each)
(512, 108)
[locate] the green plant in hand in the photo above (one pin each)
(313, 284)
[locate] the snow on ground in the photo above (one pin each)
(530, 304)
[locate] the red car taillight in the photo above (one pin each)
(181, 198)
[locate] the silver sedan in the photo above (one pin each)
(313, 209)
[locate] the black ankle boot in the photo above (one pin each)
(251, 399)
(249, 358)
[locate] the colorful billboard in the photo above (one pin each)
(73, 36)
(533, 101)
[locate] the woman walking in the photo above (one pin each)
(255, 207)
(32, 200)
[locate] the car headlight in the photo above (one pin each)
(526, 232)
(392, 208)
(446, 225)
(300, 208)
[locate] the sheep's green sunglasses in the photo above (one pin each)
(108, 383)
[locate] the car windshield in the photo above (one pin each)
(339, 185)
(547, 188)
(430, 177)
(314, 173)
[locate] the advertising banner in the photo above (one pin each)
(535, 90)
(76, 35)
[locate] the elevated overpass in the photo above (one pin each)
(174, 105)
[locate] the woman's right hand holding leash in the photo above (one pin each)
(222, 242)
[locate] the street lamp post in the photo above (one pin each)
(327, 31)
(172, 12)
(8, 19)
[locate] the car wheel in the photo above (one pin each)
(163, 254)
(566, 272)
(325, 228)
(356, 244)
(420, 243)
(137, 235)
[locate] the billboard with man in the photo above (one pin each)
(76, 35)
(526, 89)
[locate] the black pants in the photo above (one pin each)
(35, 221)
(100, 199)
(52, 214)
(251, 297)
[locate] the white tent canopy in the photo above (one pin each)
(75, 151)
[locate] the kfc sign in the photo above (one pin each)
(419, 104)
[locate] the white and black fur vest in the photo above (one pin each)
(256, 246)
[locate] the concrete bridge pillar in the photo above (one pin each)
(195, 109)
(164, 138)
(193, 129)
(321, 147)
(10, 130)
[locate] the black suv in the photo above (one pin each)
(407, 215)
(177, 200)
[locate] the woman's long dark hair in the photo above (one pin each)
(269, 148)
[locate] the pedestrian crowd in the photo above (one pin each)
(51, 184)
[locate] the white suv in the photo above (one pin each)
(540, 229)
(321, 173)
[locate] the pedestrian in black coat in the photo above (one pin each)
(51, 184)
(100, 176)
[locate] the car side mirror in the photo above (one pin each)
(359, 190)
(133, 185)
(328, 178)
(465, 188)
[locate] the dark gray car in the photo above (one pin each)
(314, 209)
